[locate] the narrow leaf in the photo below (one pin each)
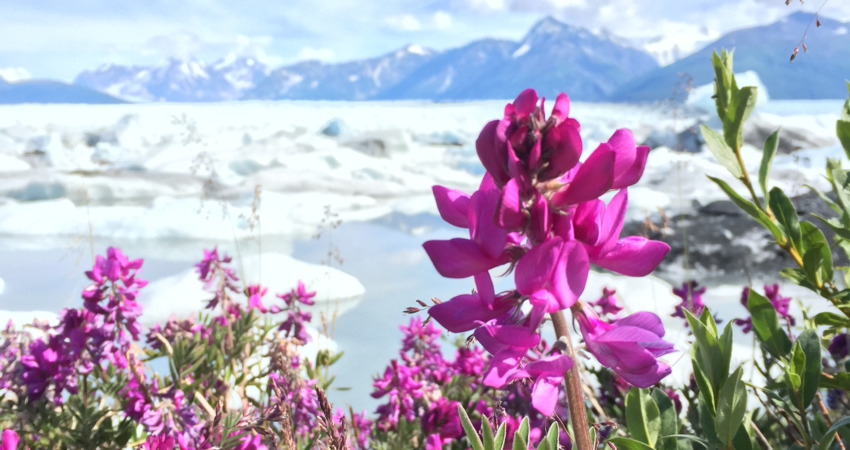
(624, 443)
(832, 319)
(742, 105)
(471, 434)
(499, 441)
(829, 435)
(770, 146)
(642, 416)
(487, 434)
(810, 345)
(721, 150)
(766, 325)
(751, 209)
(842, 130)
(787, 216)
(731, 407)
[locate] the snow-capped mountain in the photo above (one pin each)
(354, 80)
(814, 74)
(177, 80)
(553, 57)
(453, 74)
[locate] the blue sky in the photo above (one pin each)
(60, 38)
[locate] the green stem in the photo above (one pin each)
(575, 398)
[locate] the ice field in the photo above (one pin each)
(337, 194)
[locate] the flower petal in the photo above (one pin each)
(460, 258)
(510, 213)
(492, 150)
(591, 180)
(633, 256)
(453, 205)
(630, 161)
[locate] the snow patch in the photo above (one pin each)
(14, 74)
(523, 49)
(417, 50)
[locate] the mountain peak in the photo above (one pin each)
(548, 25)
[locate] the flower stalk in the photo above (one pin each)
(572, 380)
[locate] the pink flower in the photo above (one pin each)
(608, 304)
(9, 440)
(158, 442)
(255, 297)
(598, 228)
(629, 346)
(548, 375)
(461, 258)
(467, 311)
(553, 274)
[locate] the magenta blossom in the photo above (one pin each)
(607, 304)
(691, 295)
(629, 346)
(537, 210)
(9, 440)
(779, 303)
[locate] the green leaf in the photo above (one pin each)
(832, 205)
(798, 277)
(840, 380)
(829, 435)
(642, 416)
(751, 209)
(766, 325)
(819, 265)
(742, 440)
(831, 319)
(721, 150)
(840, 182)
(731, 407)
(770, 146)
(628, 444)
(842, 130)
(487, 434)
(667, 410)
(706, 357)
(706, 420)
(521, 436)
(795, 369)
(810, 345)
(471, 434)
(551, 440)
(787, 217)
(688, 437)
(499, 441)
(742, 105)
(724, 81)
(836, 226)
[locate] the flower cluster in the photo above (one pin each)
(779, 303)
(413, 387)
(425, 388)
(101, 331)
(539, 209)
(691, 295)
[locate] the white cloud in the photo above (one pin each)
(322, 54)
(255, 47)
(14, 74)
(404, 22)
(442, 20)
(182, 45)
(485, 5)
